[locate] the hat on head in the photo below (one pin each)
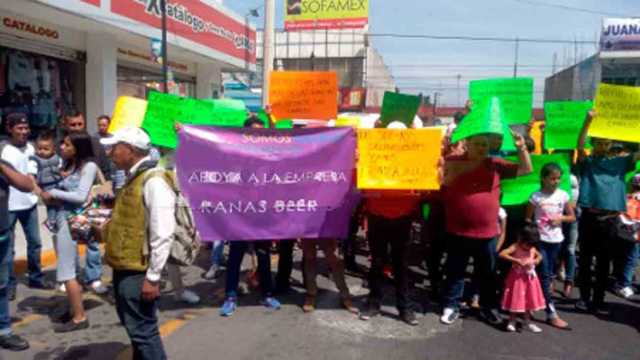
(16, 118)
(396, 125)
(133, 136)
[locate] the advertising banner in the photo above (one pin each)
(325, 14)
(620, 35)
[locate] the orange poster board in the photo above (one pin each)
(304, 95)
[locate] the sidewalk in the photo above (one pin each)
(48, 252)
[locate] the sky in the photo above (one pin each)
(433, 66)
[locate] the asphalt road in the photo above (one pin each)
(254, 332)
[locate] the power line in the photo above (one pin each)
(570, 8)
(478, 38)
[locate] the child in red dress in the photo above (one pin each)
(522, 293)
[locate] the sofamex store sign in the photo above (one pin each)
(326, 14)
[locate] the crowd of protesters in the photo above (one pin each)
(518, 252)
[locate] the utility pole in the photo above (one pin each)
(515, 63)
(165, 61)
(267, 48)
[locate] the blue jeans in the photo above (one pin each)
(216, 253)
(568, 252)
(93, 262)
(5, 258)
(138, 317)
(546, 271)
(625, 261)
(483, 251)
(236, 253)
(29, 220)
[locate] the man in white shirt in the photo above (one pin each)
(23, 206)
(143, 222)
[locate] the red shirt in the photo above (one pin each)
(472, 199)
(392, 204)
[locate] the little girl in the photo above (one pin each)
(548, 209)
(522, 293)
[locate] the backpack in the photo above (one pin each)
(186, 243)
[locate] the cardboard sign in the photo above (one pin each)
(515, 94)
(399, 107)
(518, 191)
(617, 113)
(129, 112)
(304, 95)
(564, 121)
(487, 118)
(399, 159)
(164, 110)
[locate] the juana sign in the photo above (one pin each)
(325, 14)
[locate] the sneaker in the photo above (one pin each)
(625, 292)
(511, 327)
(189, 297)
(491, 316)
(72, 326)
(309, 304)
(371, 311)
(583, 306)
(271, 303)
(44, 285)
(212, 273)
(13, 342)
(409, 317)
(532, 327)
(449, 316)
(229, 307)
(62, 288)
(97, 287)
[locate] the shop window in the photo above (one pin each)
(39, 86)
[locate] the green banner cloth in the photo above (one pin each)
(515, 94)
(399, 107)
(518, 191)
(284, 124)
(563, 123)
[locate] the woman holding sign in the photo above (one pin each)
(471, 193)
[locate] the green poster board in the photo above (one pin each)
(399, 107)
(628, 177)
(517, 191)
(163, 110)
(284, 124)
(264, 118)
(515, 94)
(563, 123)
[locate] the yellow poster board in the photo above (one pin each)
(399, 159)
(617, 113)
(129, 112)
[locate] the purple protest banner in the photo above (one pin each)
(264, 184)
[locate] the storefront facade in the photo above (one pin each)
(61, 54)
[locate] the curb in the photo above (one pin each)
(47, 259)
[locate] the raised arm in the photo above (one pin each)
(507, 253)
(582, 140)
(525, 166)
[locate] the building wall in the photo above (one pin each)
(378, 78)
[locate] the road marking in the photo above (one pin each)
(27, 320)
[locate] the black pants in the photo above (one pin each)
(285, 264)
(595, 242)
(138, 317)
(382, 233)
(434, 237)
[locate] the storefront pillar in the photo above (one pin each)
(101, 77)
(208, 81)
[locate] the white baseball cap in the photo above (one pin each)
(133, 136)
